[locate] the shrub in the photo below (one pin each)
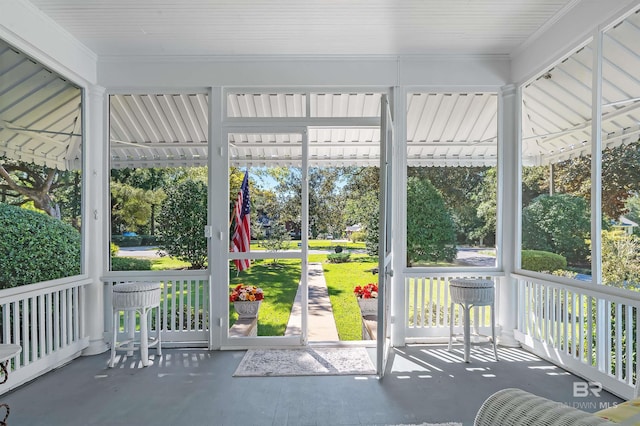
(148, 240)
(538, 261)
(130, 264)
(127, 241)
(357, 236)
(431, 234)
(620, 259)
(182, 221)
(338, 249)
(557, 223)
(35, 247)
(338, 257)
(113, 249)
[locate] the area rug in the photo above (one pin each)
(305, 362)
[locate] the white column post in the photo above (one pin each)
(95, 215)
(218, 220)
(399, 215)
(507, 215)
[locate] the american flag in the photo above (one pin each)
(242, 231)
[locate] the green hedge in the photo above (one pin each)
(539, 261)
(134, 241)
(35, 247)
(130, 264)
(338, 257)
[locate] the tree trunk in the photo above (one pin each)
(39, 195)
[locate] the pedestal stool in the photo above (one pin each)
(132, 298)
(469, 293)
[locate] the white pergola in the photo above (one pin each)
(482, 83)
(40, 115)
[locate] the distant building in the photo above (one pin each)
(625, 224)
(353, 228)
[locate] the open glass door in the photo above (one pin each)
(273, 255)
(384, 242)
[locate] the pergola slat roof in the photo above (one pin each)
(40, 118)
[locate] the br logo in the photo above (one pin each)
(584, 389)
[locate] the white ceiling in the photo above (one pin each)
(307, 27)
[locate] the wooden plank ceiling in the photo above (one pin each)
(303, 27)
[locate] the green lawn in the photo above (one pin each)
(329, 245)
(279, 283)
(166, 262)
(341, 280)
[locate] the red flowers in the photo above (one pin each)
(369, 291)
(246, 293)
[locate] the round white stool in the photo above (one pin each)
(469, 293)
(134, 297)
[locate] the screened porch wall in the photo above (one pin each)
(41, 38)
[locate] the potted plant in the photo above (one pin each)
(367, 297)
(246, 300)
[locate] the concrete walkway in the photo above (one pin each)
(322, 325)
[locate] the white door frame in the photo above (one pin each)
(385, 246)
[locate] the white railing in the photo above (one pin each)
(589, 329)
(184, 305)
(427, 306)
(46, 320)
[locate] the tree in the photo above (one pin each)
(620, 177)
(132, 207)
(32, 183)
(362, 205)
(151, 182)
(278, 238)
(559, 224)
(326, 203)
(459, 187)
(182, 219)
(535, 182)
(620, 259)
(486, 195)
(430, 229)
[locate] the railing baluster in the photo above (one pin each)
(417, 322)
(582, 355)
(49, 322)
(76, 314)
(636, 379)
(24, 323)
(618, 334)
(196, 324)
(63, 317)
(447, 315)
(181, 305)
(428, 320)
(17, 339)
(165, 304)
(424, 311)
(630, 344)
(173, 305)
(607, 338)
(56, 320)
(438, 307)
(42, 329)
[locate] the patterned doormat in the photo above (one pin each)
(305, 362)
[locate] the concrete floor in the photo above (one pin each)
(196, 387)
